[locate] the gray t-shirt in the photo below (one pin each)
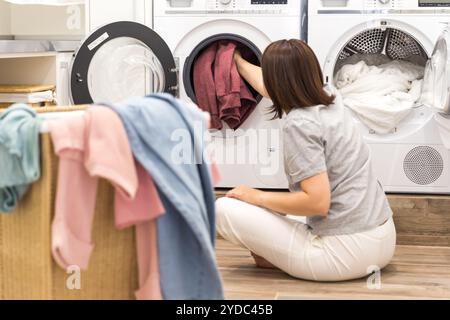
(325, 139)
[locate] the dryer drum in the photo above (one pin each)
(243, 44)
(393, 43)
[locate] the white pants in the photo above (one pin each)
(289, 244)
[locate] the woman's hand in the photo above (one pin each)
(246, 194)
(237, 57)
(251, 73)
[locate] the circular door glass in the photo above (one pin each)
(123, 68)
(436, 83)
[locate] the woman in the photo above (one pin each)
(349, 232)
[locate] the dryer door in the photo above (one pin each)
(121, 60)
(436, 84)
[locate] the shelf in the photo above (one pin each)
(27, 55)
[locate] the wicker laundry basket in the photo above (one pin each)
(27, 270)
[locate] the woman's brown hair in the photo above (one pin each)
(293, 77)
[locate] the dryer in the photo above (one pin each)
(414, 157)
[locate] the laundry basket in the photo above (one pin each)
(27, 270)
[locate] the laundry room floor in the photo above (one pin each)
(419, 270)
(415, 273)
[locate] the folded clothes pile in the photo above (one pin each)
(35, 95)
(219, 88)
(382, 96)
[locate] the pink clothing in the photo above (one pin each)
(148, 264)
(216, 177)
(215, 171)
(133, 211)
(91, 146)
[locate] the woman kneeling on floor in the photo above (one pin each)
(350, 231)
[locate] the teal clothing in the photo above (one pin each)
(19, 154)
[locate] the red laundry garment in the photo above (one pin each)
(235, 100)
(219, 88)
(204, 85)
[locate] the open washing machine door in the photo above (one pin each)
(122, 60)
(436, 85)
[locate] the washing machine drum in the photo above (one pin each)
(247, 47)
(122, 60)
(390, 43)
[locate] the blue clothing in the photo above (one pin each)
(186, 233)
(19, 154)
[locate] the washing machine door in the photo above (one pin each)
(436, 84)
(122, 60)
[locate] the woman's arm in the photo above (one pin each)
(313, 200)
(251, 73)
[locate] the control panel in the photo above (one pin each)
(434, 3)
(382, 6)
(250, 7)
(406, 4)
(386, 4)
(247, 4)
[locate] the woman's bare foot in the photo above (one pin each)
(262, 263)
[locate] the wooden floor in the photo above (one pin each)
(415, 273)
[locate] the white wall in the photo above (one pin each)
(5, 27)
(102, 12)
(38, 70)
(47, 21)
(32, 21)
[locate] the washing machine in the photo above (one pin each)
(414, 157)
(251, 155)
(125, 58)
